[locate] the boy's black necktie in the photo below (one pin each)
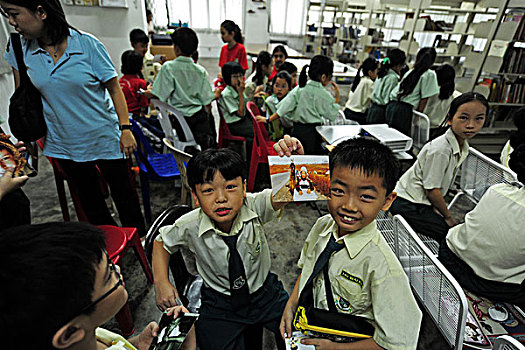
(306, 298)
(238, 283)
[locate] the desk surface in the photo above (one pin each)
(338, 133)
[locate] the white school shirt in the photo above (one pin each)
(436, 109)
(436, 167)
(492, 239)
(359, 100)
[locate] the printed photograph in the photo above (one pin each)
(11, 159)
(299, 178)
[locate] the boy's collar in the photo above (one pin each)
(354, 241)
(244, 215)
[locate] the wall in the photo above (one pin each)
(110, 25)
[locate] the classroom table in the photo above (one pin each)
(398, 142)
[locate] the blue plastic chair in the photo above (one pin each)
(153, 166)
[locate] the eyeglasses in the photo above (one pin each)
(113, 270)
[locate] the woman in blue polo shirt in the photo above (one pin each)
(84, 107)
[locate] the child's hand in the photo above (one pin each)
(450, 222)
(9, 183)
(165, 295)
(260, 94)
(287, 146)
(143, 341)
(240, 86)
(260, 119)
(320, 344)
(336, 91)
(176, 310)
(286, 321)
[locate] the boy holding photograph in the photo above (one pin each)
(226, 236)
(365, 277)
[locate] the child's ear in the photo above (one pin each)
(449, 119)
(388, 201)
(68, 335)
(244, 188)
(323, 78)
(195, 199)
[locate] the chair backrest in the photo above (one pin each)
(506, 342)
(479, 172)
(224, 131)
(165, 111)
(258, 130)
(436, 288)
(181, 158)
(143, 145)
(420, 132)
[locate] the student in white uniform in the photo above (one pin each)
(421, 189)
(486, 254)
(516, 138)
(360, 94)
(438, 105)
(413, 91)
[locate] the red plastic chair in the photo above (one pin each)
(262, 146)
(118, 241)
(225, 135)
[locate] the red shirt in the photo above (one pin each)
(236, 53)
(130, 84)
(274, 73)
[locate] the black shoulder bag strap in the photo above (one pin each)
(17, 48)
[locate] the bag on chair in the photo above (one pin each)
(26, 117)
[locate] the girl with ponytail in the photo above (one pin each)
(486, 254)
(309, 103)
(256, 82)
(413, 91)
(234, 49)
(438, 105)
(360, 94)
(388, 77)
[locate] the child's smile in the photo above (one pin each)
(356, 198)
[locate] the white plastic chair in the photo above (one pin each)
(171, 134)
(420, 132)
(478, 173)
(506, 342)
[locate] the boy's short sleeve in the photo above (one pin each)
(164, 84)
(429, 84)
(433, 167)
(230, 102)
(101, 62)
(396, 313)
(261, 203)
(173, 237)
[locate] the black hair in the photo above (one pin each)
(56, 25)
(132, 62)
(148, 12)
(518, 137)
(263, 59)
(370, 64)
(517, 162)
(230, 26)
(230, 68)
(319, 65)
(446, 76)
(186, 40)
(138, 36)
(204, 165)
(466, 98)
(424, 60)
(280, 48)
(48, 274)
(283, 75)
(288, 67)
(395, 57)
(369, 155)
(195, 56)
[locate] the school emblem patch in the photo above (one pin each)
(239, 283)
(343, 304)
(351, 278)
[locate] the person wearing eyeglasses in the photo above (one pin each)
(59, 286)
